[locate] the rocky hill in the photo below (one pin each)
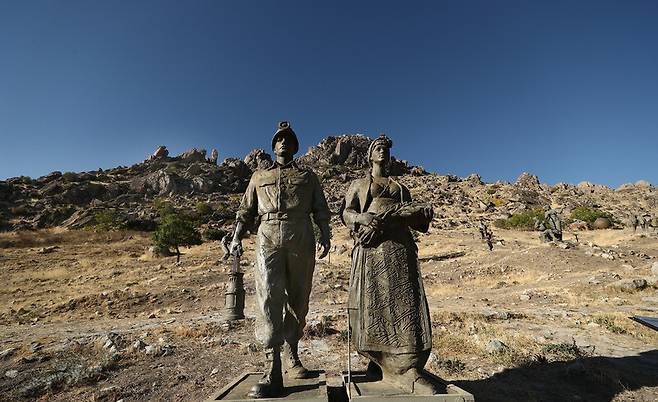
(131, 194)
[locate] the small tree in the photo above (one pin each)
(175, 231)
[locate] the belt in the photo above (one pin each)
(284, 216)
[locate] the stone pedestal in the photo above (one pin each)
(362, 389)
(308, 389)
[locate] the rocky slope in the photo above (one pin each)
(74, 200)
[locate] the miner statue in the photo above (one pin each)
(278, 205)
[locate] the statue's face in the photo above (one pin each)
(380, 154)
(284, 146)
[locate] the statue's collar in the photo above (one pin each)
(276, 164)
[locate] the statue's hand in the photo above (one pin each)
(236, 247)
(323, 247)
(428, 213)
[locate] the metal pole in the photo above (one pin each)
(349, 356)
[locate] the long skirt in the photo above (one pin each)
(388, 307)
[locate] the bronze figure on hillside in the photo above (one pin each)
(388, 309)
(279, 201)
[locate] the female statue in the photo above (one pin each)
(389, 316)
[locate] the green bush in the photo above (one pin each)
(175, 231)
(491, 191)
(521, 221)
(25, 179)
(173, 167)
(203, 209)
(163, 206)
(107, 220)
(214, 234)
(589, 215)
(69, 177)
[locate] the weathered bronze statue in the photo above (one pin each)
(281, 199)
(552, 229)
(389, 316)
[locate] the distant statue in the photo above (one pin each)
(634, 222)
(641, 222)
(486, 234)
(389, 316)
(226, 244)
(552, 229)
(213, 156)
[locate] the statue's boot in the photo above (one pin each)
(294, 367)
(413, 382)
(271, 385)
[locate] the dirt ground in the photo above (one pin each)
(89, 316)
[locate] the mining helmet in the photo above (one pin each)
(285, 129)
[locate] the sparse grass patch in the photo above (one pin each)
(453, 344)
(196, 331)
(451, 366)
(608, 322)
(565, 351)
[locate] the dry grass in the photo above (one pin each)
(51, 237)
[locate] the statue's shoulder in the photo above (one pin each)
(358, 184)
(262, 175)
(361, 181)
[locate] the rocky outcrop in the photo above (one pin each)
(258, 159)
(130, 192)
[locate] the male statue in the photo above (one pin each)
(282, 198)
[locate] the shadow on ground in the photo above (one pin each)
(584, 379)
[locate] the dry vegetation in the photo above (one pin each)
(90, 316)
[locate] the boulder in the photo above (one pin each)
(341, 151)
(629, 285)
(193, 155)
(214, 155)
(161, 152)
(527, 180)
(602, 223)
(258, 159)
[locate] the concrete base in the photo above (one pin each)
(362, 389)
(309, 389)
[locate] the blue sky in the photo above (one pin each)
(567, 90)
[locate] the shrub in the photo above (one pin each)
(214, 234)
(163, 207)
(491, 191)
(173, 167)
(497, 201)
(521, 221)
(203, 209)
(589, 215)
(24, 179)
(107, 220)
(175, 231)
(69, 177)
(608, 322)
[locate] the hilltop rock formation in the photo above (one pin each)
(130, 193)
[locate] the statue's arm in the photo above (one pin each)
(352, 209)
(321, 215)
(421, 218)
(245, 217)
